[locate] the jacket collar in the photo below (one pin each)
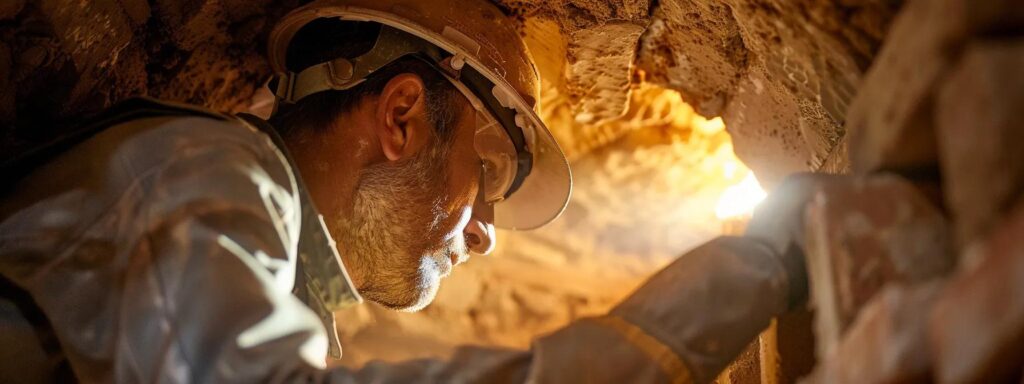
(321, 264)
(322, 283)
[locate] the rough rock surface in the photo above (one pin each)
(595, 67)
(780, 73)
(600, 59)
(696, 48)
(60, 60)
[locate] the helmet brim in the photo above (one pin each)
(545, 193)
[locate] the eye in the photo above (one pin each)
(489, 166)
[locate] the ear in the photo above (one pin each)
(401, 125)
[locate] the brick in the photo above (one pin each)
(892, 127)
(979, 135)
(862, 233)
(884, 344)
(976, 329)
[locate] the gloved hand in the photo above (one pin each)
(778, 223)
(710, 303)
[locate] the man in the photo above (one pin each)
(175, 244)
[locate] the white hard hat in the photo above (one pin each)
(480, 49)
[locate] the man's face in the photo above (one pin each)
(396, 196)
(407, 227)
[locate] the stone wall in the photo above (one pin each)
(922, 282)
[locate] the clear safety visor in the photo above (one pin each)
(544, 193)
(497, 158)
(535, 199)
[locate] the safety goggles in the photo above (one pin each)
(499, 157)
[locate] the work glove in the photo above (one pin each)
(778, 223)
(710, 303)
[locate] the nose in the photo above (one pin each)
(479, 232)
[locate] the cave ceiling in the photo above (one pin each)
(780, 73)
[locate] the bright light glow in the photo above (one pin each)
(740, 199)
(729, 169)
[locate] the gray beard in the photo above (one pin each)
(397, 215)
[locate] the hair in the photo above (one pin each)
(325, 39)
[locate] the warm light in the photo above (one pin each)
(729, 169)
(660, 164)
(740, 199)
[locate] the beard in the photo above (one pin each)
(395, 239)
